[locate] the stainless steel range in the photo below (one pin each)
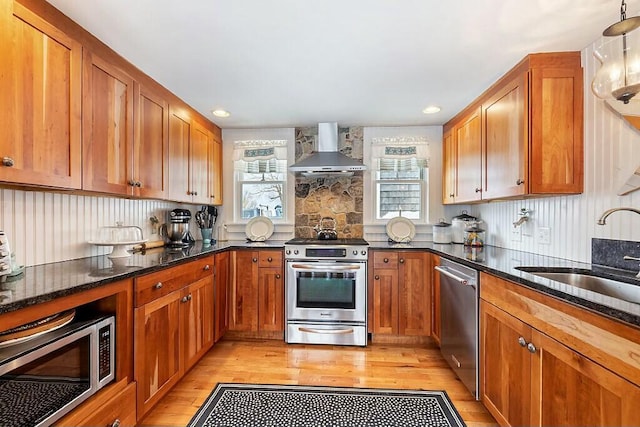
(326, 291)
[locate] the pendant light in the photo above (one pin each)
(619, 74)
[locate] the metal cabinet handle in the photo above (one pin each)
(377, 277)
(532, 348)
(520, 181)
(116, 423)
(195, 193)
(269, 259)
(186, 298)
(212, 196)
(158, 285)
(522, 342)
(386, 260)
(277, 276)
(255, 260)
(132, 183)
(451, 195)
(138, 184)
(478, 190)
(401, 260)
(206, 267)
(7, 161)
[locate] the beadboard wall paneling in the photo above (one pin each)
(612, 153)
(45, 227)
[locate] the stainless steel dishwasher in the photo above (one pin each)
(459, 335)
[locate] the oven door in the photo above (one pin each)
(326, 291)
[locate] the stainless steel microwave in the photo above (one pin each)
(44, 378)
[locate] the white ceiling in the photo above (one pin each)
(283, 63)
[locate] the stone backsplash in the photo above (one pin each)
(337, 197)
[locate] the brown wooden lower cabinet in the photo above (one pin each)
(118, 409)
(400, 293)
(221, 292)
(173, 330)
(256, 296)
(530, 378)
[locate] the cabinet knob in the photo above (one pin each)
(116, 423)
(212, 196)
(206, 267)
(520, 181)
(277, 276)
(478, 190)
(269, 259)
(532, 348)
(7, 161)
(376, 277)
(401, 260)
(186, 298)
(522, 342)
(138, 184)
(255, 260)
(451, 195)
(158, 285)
(132, 183)
(195, 193)
(386, 260)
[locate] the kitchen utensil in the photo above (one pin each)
(326, 229)
(458, 224)
(442, 232)
(401, 230)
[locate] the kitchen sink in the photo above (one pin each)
(584, 280)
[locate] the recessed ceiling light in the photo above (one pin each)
(221, 113)
(431, 109)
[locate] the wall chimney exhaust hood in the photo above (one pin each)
(327, 160)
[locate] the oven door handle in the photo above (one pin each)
(325, 267)
(326, 331)
(447, 273)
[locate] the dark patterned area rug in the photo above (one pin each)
(281, 405)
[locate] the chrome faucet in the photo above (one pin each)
(603, 218)
(632, 258)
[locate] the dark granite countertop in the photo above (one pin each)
(46, 282)
(49, 281)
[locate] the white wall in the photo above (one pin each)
(612, 153)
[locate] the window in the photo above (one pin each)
(260, 172)
(262, 188)
(400, 179)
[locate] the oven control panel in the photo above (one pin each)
(324, 252)
(5, 254)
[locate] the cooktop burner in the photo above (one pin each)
(336, 242)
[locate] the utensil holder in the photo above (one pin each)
(206, 235)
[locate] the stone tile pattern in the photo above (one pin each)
(610, 253)
(336, 197)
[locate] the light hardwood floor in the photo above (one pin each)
(274, 362)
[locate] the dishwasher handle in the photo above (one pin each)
(447, 273)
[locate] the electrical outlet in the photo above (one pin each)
(544, 235)
(516, 234)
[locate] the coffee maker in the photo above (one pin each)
(176, 231)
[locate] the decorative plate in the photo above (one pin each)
(401, 230)
(259, 229)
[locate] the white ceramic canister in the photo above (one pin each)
(458, 225)
(442, 232)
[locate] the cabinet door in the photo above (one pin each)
(556, 131)
(201, 146)
(157, 349)
(435, 299)
(506, 127)
(448, 168)
(243, 298)
(151, 148)
(215, 170)
(179, 138)
(221, 279)
(197, 320)
(385, 301)
(505, 366)
(468, 139)
(107, 113)
(271, 299)
(575, 391)
(414, 294)
(41, 99)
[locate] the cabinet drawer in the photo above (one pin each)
(385, 260)
(121, 408)
(163, 282)
(270, 259)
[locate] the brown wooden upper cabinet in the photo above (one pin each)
(40, 95)
(523, 136)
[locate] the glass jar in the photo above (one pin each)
(442, 232)
(474, 235)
